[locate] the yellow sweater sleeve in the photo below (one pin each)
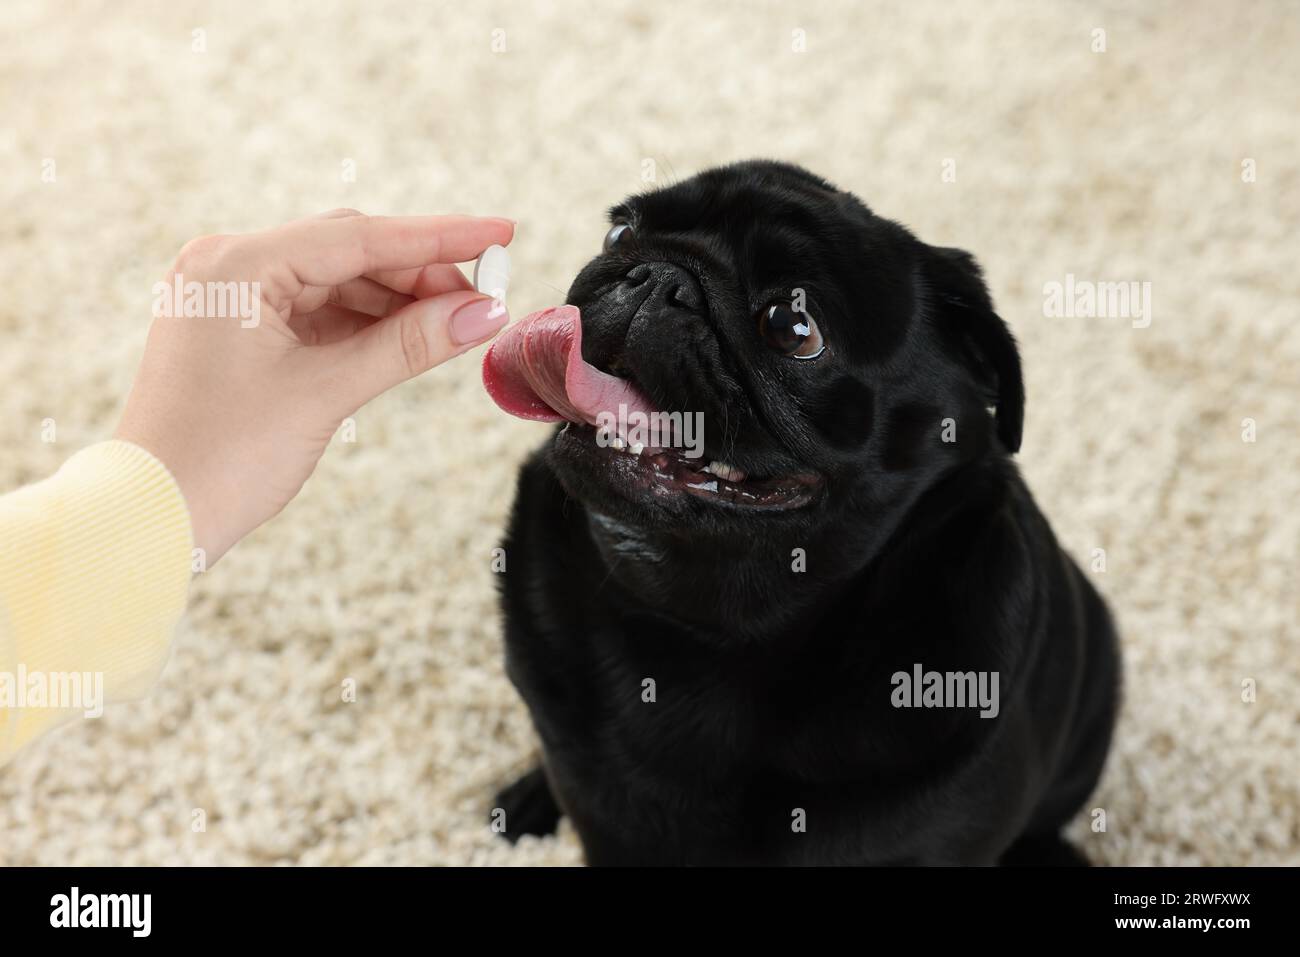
(94, 573)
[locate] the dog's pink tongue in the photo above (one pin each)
(535, 370)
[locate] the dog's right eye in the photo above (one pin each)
(790, 332)
(620, 234)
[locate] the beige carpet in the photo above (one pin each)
(1119, 165)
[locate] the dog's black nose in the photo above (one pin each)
(652, 296)
(674, 286)
(638, 274)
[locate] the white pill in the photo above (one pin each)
(492, 272)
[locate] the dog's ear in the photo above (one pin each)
(957, 284)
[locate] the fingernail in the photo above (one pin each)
(477, 320)
(504, 219)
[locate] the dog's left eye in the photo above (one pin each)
(620, 234)
(790, 332)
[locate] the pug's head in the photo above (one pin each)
(837, 364)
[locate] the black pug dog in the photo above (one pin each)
(769, 653)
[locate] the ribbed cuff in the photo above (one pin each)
(94, 574)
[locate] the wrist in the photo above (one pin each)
(190, 478)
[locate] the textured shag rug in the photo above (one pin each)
(1172, 157)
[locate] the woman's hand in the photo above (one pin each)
(299, 327)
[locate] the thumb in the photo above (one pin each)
(417, 337)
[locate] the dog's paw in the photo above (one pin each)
(525, 807)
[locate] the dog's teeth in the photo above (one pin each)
(724, 471)
(617, 443)
(638, 448)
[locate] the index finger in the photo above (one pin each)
(326, 252)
